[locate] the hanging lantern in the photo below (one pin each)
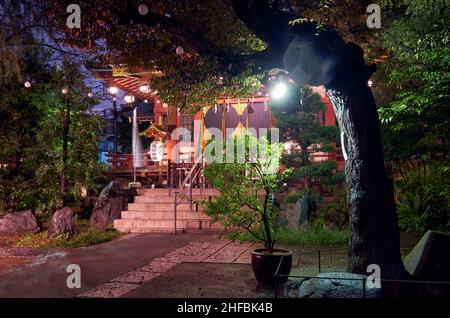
(143, 9)
(156, 151)
(179, 50)
(129, 99)
(64, 91)
(90, 94)
(27, 84)
(144, 89)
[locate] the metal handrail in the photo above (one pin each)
(189, 177)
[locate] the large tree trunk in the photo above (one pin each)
(374, 234)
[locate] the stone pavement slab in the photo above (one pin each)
(197, 280)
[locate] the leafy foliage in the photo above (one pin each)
(247, 191)
(336, 212)
(315, 233)
(297, 117)
(424, 199)
(86, 237)
(415, 121)
(31, 131)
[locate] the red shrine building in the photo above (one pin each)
(162, 177)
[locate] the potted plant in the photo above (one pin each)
(246, 201)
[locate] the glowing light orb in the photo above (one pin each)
(278, 91)
(113, 90)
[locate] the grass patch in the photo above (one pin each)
(86, 236)
(314, 234)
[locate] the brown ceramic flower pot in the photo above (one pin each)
(265, 265)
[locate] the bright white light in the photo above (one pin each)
(27, 84)
(278, 91)
(145, 89)
(370, 83)
(113, 90)
(64, 91)
(129, 98)
(90, 94)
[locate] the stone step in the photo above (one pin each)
(131, 224)
(162, 215)
(166, 198)
(166, 230)
(167, 207)
(167, 191)
(156, 191)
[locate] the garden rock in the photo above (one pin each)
(19, 222)
(430, 258)
(336, 287)
(62, 222)
(111, 202)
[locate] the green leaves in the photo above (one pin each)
(246, 193)
(419, 70)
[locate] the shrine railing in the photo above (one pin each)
(188, 183)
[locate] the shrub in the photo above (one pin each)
(315, 233)
(336, 212)
(423, 200)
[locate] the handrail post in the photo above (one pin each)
(320, 265)
(175, 212)
(190, 193)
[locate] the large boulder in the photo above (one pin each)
(430, 258)
(111, 202)
(19, 222)
(337, 285)
(62, 222)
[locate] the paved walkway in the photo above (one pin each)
(116, 268)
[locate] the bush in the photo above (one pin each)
(87, 236)
(336, 212)
(316, 233)
(423, 200)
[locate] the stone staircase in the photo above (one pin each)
(153, 212)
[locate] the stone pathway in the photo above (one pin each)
(214, 251)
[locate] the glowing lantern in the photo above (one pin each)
(156, 151)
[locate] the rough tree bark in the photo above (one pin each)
(374, 234)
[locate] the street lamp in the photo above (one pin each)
(113, 91)
(278, 90)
